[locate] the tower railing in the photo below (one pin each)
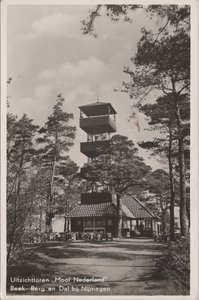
(98, 124)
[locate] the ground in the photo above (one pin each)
(120, 267)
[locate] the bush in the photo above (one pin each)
(175, 264)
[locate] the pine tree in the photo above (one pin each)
(56, 139)
(163, 118)
(117, 170)
(20, 152)
(164, 65)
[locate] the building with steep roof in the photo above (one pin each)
(96, 216)
(143, 220)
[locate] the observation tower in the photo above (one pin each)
(98, 120)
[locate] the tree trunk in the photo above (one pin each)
(119, 217)
(67, 207)
(188, 212)
(49, 213)
(10, 248)
(65, 224)
(172, 193)
(40, 220)
(12, 239)
(49, 217)
(183, 212)
(163, 221)
(163, 215)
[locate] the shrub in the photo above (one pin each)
(174, 264)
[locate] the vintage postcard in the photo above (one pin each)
(99, 149)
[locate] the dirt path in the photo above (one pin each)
(121, 267)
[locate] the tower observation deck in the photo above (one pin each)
(98, 120)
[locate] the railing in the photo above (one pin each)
(92, 149)
(98, 124)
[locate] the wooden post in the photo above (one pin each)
(108, 110)
(119, 216)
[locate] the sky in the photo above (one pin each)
(47, 54)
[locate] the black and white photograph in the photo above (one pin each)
(98, 121)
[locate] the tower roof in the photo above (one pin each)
(97, 108)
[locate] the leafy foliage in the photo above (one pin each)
(56, 138)
(119, 168)
(20, 151)
(40, 175)
(175, 264)
(114, 12)
(176, 15)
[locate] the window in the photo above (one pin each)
(109, 222)
(88, 223)
(92, 223)
(78, 222)
(99, 222)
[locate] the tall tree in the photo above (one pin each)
(162, 117)
(164, 64)
(68, 184)
(56, 138)
(158, 183)
(161, 70)
(117, 170)
(20, 151)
